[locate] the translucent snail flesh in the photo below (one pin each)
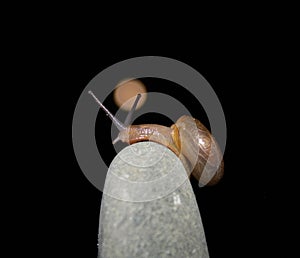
(188, 138)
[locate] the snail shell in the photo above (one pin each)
(201, 150)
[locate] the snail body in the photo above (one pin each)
(188, 138)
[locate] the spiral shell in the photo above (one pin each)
(201, 150)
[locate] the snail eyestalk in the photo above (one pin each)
(129, 116)
(121, 127)
(116, 122)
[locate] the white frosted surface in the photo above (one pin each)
(148, 207)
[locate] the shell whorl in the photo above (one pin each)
(201, 150)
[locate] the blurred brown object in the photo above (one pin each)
(126, 91)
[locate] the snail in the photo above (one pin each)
(188, 138)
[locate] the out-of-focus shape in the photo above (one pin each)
(125, 92)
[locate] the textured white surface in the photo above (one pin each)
(148, 207)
